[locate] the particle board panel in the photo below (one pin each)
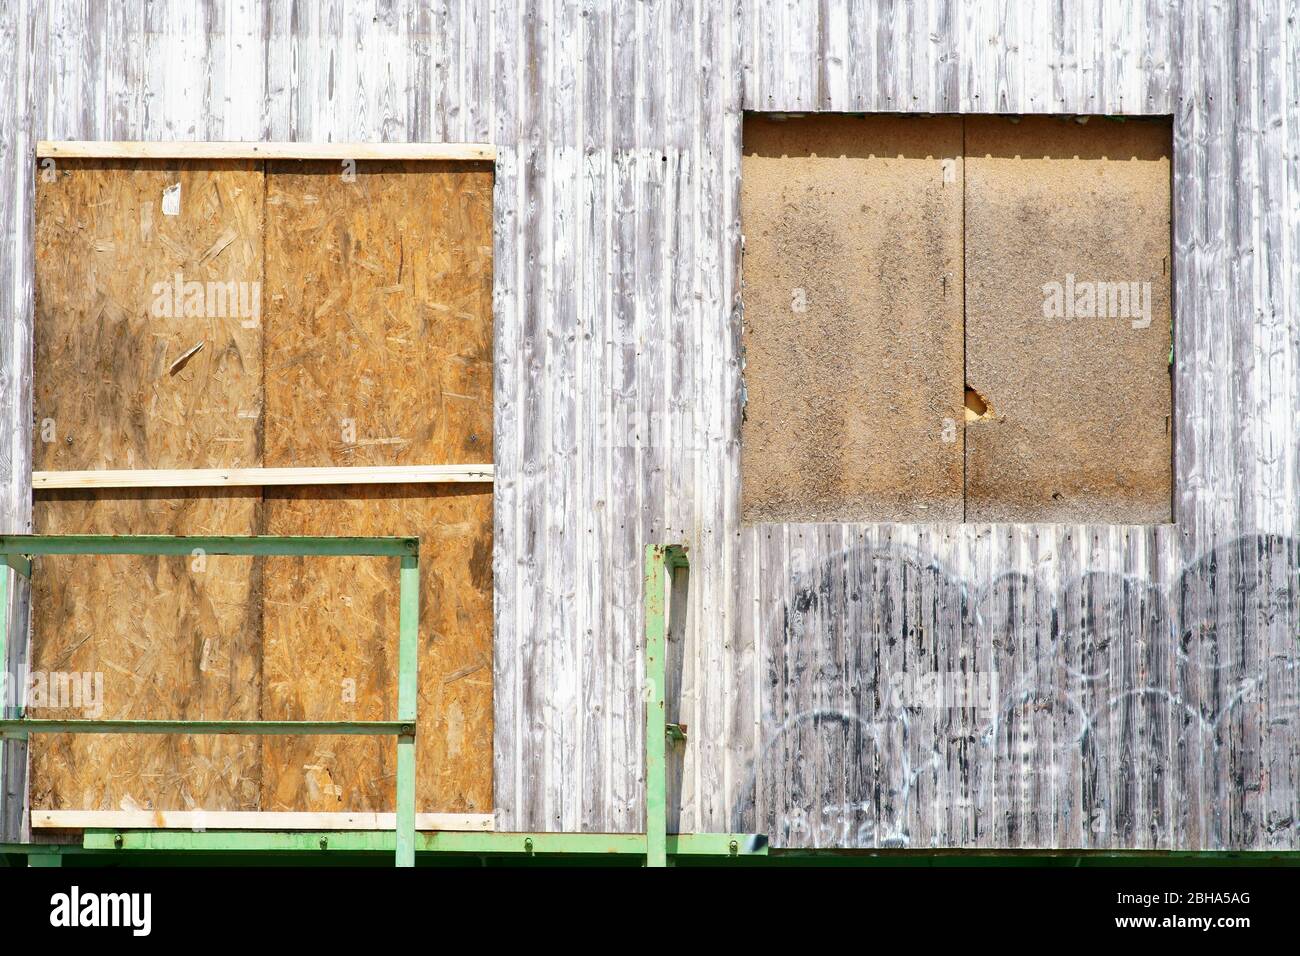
(331, 649)
(148, 354)
(1067, 227)
(146, 637)
(148, 338)
(853, 319)
(379, 352)
(379, 345)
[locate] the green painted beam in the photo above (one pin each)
(450, 842)
(23, 727)
(34, 544)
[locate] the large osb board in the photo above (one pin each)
(112, 386)
(379, 342)
(413, 357)
(379, 351)
(331, 649)
(852, 337)
(171, 637)
(1078, 426)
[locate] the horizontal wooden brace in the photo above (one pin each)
(249, 820)
(260, 477)
(97, 149)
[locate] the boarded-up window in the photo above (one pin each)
(194, 314)
(954, 318)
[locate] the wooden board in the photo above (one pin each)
(331, 649)
(378, 311)
(108, 390)
(853, 319)
(250, 150)
(258, 477)
(254, 820)
(168, 637)
(379, 341)
(379, 351)
(1067, 228)
(165, 637)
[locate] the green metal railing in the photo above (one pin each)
(656, 846)
(16, 551)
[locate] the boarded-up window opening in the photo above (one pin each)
(953, 318)
(278, 314)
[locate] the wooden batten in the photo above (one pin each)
(96, 149)
(249, 820)
(260, 477)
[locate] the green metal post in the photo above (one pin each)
(407, 690)
(656, 777)
(6, 683)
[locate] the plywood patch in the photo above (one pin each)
(125, 292)
(331, 648)
(853, 319)
(379, 350)
(150, 637)
(1080, 428)
(144, 359)
(378, 319)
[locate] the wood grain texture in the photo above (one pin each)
(379, 342)
(253, 820)
(583, 111)
(331, 649)
(140, 263)
(397, 346)
(259, 477)
(379, 295)
(119, 266)
(23, 30)
(99, 149)
(147, 637)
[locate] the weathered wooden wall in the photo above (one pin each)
(1148, 687)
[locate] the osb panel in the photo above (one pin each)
(331, 648)
(112, 386)
(853, 319)
(1079, 420)
(170, 637)
(379, 351)
(379, 345)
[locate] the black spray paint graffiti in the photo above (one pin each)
(1126, 713)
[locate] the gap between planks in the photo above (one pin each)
(249, 820)
(94, 149)
(260, 477)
